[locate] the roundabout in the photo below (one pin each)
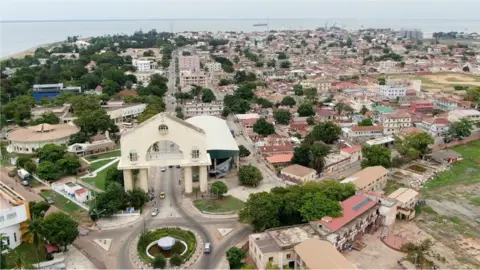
(167, 242)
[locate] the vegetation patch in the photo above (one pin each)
(99, 180)
(104, 155)
(60, 201)
(225, 204)
(25, 255)
(391, 186)
(148, 237)
(417, 168)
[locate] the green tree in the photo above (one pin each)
(207, 95)
(301, 155)
(38, 209)
(264, 103)
(94, 122)
(298, 90)
(285, 64)
(316, 206)
(79, 137)
(109, 202)
(363, 110)
(60, 228)
(282, 116)
(311, 121)
(30, 166)
(249, 175)
(460, 129)
(180, 115)
(261, 211)
(21, 161)
(113, 175)
(376, 155)
(219, 188)
(159, 262)
(318, 152)
(47, 170)
(417, 252)
(243, 151)
(306, 109)
(176, 260)
(381, 81)
(69, 164)
(235, 257)
(414, 145)
(137, 198)
(288, 101)
(282, 56)
(48, 118)
(327, 132)
(365, 122)
(51, 152)
(33, 231)
(262, 127)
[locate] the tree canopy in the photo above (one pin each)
(365, 122)
(249, 175)
(60, 228)
(306, 109)
(262, 127)
(208, 95)
(244, 152)
(235, 257)
(415, 145)
(288, 101)
(460, 129)
(327, 132)
(282, 116)
(376, 155)
(219, 188)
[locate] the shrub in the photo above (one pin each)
(159, 262)
(176, 260)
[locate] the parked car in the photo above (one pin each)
(154, 212)
(178, 167)
(163, 169)
(162, 195)
(49, 200)
(25, 183)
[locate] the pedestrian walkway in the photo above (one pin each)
(94, 173)
(187, 206)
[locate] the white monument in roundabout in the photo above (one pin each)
(166, 243)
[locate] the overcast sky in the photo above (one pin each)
(237, 9)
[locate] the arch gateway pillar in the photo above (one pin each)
(161, 141)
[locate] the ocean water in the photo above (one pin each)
(19, 36)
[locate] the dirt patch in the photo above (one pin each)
(453, 79)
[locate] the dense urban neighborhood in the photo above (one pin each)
(292, 149)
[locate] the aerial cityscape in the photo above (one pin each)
(308, 148)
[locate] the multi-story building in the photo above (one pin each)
(470, 114)
(214, 67)
(362, 132)
(450, 104)
(407, 200)
(435, 126)
(187, 77)
(144, 65)
(193, 108)
(14, 212)
(395, 122)
(41, 91)
(415, 34)
(369, 179)
(360, 215)
(421, 105)
(190, 62)
(294, 247)
(120, 111)
(391, 91)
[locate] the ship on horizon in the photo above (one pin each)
(261, 24)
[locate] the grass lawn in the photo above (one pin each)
(391, 187)
(105, 155)
(99, 179)
(98, 165)
(61, 202)
(227, 204)
(27, 252)
(464, 172)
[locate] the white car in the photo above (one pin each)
(154, 212)
(163, 169)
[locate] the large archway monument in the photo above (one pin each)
(164, 140)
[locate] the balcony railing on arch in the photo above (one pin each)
(163, 155)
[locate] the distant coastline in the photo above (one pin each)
(31, 51)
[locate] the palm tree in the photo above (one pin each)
(318, 152)
(33, 232)
(418, 252)
(21, 262)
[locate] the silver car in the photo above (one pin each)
(154, 212)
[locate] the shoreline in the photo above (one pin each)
(31, 51)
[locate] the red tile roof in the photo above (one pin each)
(352, 149)
(80, 191)
(128, 92)
(277, 148)
(283, 158)
(352, 208)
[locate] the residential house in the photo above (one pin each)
(470, 114)
(435, 126)
(407, 199)
(298, 173)
(393, 123)
(421, 105)
(77, 192)
(392, 92)
(369, 179)
(355, 132)
(306, 256)
(278, 161)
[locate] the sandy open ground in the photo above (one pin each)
(455, 79)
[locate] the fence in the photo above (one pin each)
(127, 213)
(455, 143)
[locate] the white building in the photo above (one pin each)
(14, 211)
(362, 131)
(393, 123)
(435, 126)
(120, 111)
(214, 66)
(393, 91)
(77, 192)
(193, 108)
(144, 65)
(28, 140)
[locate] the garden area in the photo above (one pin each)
(180, 251)
(99, 180)
(222, 205)
(62, 203)
(24, 256)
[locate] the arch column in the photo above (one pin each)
(142, 182)
(128, 179)
(203, 175)
(188, 179)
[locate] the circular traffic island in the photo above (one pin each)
(175, 245)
